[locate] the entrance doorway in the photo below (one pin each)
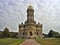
(30, 33)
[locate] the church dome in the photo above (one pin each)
(30, 7)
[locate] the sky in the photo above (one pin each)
(13, 12)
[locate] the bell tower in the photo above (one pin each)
(30, 29)
(30, 15)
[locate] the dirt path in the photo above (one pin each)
(30, 42)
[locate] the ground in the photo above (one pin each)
(10, 41)
(16, 41)
(30, 42)
(49, 41)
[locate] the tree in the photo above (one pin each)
(53, 34)
(50, 33)
(13, 34)
(5, 33)
(0, 34)
(45, 35)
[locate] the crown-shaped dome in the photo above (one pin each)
(30, 7)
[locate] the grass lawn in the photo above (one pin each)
(11, 41)
(48, 41)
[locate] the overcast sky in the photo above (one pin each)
(13, 12)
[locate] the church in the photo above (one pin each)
(30, 29)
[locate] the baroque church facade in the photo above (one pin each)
(30, 29)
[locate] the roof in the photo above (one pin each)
(30, 7)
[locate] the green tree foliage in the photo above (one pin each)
(53, 34)
(0, 34)
(13, 34)
(5, 33)
(50, 33)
